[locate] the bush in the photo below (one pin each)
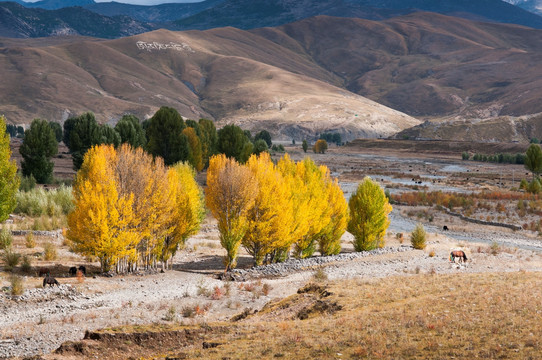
(27, 183)
(523, 185)
(17, 287)
(534, 186)
(39, 201)
(29, 240)
(49, 252)
(465, 155)
(26, 266)
(418, 237)
(320, 146)
(11, 259)
(6, 239)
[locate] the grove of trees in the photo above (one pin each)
(272, 210)
(131, 210)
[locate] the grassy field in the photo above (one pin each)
(467, 316)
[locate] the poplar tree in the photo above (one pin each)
(369, 209)
(9, 181)
(39, 146)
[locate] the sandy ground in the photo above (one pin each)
(45, 318)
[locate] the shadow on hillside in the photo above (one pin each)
(212, 264)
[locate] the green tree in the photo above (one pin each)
(233, 142)
(533, 159)
(264, 135)
(9, 181)
(165, 136)
(209, 140)
(418, 237)
(57, 129)
(39, 146)
(260, 146)
(131, 132)
(83, 133)
(109, 136)
(369, 209)
(305, 146)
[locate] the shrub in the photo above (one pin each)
(29, 240)
(320, 275)
(39, 201)
(320, 146)
(534, 186)
(418, 237)
(49, 252)
(6, 239)
(465, 155)
(494, 249)
(171, 314)
(26, 266)
(188, 312)
(27, 183)
(17, 286)
(523, 184)
(11, 259)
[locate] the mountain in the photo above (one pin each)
(20, 22)
(425, 64)
(534, 6)
(248, 14)
(154, 14)
(54, 4)
(229, 75)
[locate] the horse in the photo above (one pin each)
(83, 270)
(49, 280)
(73, 271)
(458, 254)
(445, 228)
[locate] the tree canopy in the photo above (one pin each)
(9, 181)
(165, 136)
(38, 147)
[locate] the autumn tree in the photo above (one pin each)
(269, 219)
(165, 136)
(130, 131)
(320, 147)
(369, 209)
(230, 194)
(9, 181)
(329, 238)
(533, 159)
(38, 147)
(189, 210)
(103, 223)
(195, 156)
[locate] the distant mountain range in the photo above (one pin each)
(117, 20)
(296, 80)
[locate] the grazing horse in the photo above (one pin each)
(73, 271)
(445, 228)
(83, 270)
(49, 280)
(458, 254)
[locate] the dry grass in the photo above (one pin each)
(422, 317)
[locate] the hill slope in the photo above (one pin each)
(226, 74)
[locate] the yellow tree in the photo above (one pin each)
(9, 181)
(196, 152)
(189, 208)
(329, 238)
(154, 202)
(369, 209)
(230, 194)
(270, 217)
(102, 224)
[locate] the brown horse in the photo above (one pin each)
(458, 254)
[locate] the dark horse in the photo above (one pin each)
(49, 280)
(458, 254)
(73, 271)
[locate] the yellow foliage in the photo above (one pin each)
(230, 194)
(102, 223)
(337, 212)
(270, 217)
